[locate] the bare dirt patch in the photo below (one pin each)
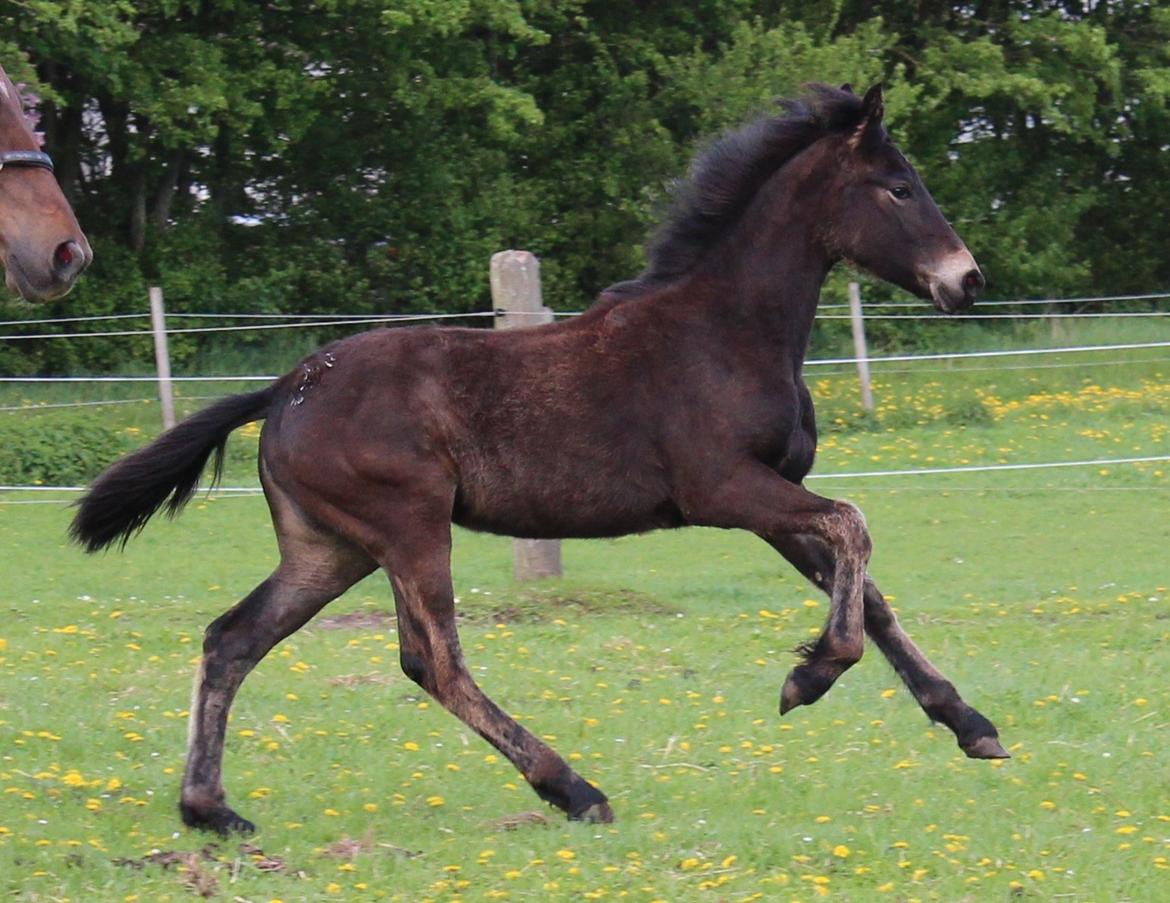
(517, 821)
(200, 870)
(349, 848)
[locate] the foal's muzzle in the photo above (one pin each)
(956, 283)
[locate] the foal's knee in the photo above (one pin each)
(846, 529)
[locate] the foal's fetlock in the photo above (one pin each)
(978, 738)
(587, 803)
(598, 813)
(804, 685)
(558, 785)
(220, 819)
(812, 678)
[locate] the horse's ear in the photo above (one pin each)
(847, 88)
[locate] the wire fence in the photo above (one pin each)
(232, 491)
(816, 362)
(294, 320)
(886, 364)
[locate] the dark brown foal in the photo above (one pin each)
(677, 399)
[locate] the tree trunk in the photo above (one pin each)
(164, 196)
(138, 210)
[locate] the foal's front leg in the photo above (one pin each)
(756, 498)
(975, 734)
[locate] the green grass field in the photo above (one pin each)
(655, 666)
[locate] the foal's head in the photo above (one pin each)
(839, 174)
(883, 219)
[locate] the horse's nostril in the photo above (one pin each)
(68, 260)
(973, 281)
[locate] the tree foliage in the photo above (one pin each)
(365, 156)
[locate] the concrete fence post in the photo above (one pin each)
(859, 349)
(515, 281)
(162, 359)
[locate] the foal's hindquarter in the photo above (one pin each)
(427, 434)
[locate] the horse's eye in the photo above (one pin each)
(900, 192)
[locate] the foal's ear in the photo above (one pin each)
(872, 105)
(868, 135)
(847, 88)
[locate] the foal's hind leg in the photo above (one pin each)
(310, 576)
(420, 571)
(976, 735)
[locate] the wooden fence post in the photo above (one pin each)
(859, 349)
(515, 280)
(162, 359)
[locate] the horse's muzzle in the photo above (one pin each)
(37, 279)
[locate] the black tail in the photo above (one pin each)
(164, 473)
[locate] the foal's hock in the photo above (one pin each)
(677, 399)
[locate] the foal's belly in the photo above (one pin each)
(548, 505)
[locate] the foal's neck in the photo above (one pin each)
(771, 266)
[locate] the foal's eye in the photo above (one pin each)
(900, 192)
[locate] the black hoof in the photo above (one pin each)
(802, 687)
(985, 748)
(598, 813)
(221, 820)
(978, 738)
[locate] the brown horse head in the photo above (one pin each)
(887, 222)
(42, 248)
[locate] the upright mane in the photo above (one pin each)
(725, 177)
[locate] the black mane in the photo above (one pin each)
(724, 178)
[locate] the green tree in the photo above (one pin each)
(368, 156)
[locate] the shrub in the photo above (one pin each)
(43, 452)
